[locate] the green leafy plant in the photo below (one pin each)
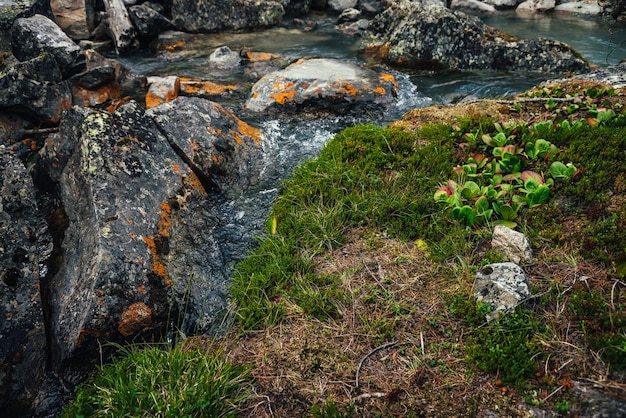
(494, 189)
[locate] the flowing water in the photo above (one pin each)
(288, 141)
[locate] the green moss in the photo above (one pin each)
(365, 176)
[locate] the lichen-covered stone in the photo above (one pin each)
(147, 21)
(117, 177)
(318, 85)
(32, 36)
(24, 248)
(501, 285)
(407, 34)
(35, 89)
(218, 15)
(14, 9)
(218, 145)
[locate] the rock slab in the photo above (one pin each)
(501, 285)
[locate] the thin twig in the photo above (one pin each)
(374, 351)
(422, 343)
(613, 291)
(554, 392)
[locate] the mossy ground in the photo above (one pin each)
(357, 302)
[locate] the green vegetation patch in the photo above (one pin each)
(366, 176)
(151, 382)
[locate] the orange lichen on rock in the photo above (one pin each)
(380, 90)
(157, 267)
(196, 86)
(162, 90)
(165, 222)
(116, 104)
(260, 56)
(348, 89)
(390, 79)
(135, 318)
(194, 182)
(285, 96)
(102, 94)
(174, 46)
(250, 131)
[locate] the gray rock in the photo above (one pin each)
(598, 404)
(535, 6)
(148, 22)
(614, 8)
(338, 6)
(579, 7)
(35, 90)
(224, 58)
(219, 147)
(24, 249)
(349, 15)
(296, 7)
(218, 15)
(472, 6)
(14, 9)
(409, 35)
(503, 4)
(33, 36)
(117, 177)
(323, 85)
(75, 17)
(513, 245)
(370, 7)
(502, 285)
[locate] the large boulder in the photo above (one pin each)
(33, 36)
(24, 248)
(409, 35)
(148, 21)
(116, 177)
(323, 85)
(219, 15)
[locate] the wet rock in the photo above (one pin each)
(75, 17)
(10, 10)
(338, 6)
(472, 7)
(409, 35)
(95, 86)
(162, 90)
(535, 6)
(579, 7)
(24, 248)
(217, 145)
(614, 75)
(371, 7)
(319, 85)
(614, 8)
(296, 7)
(349, 15)
(35, 89)
(224, 58)
(117, 177)
(129, 84)
(33, 36)
(513, 245)
(196, 87)
(218, 15)
(148, 22)
(502, 285)
(503, 4)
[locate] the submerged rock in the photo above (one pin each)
(318, 85)
(409, 35)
